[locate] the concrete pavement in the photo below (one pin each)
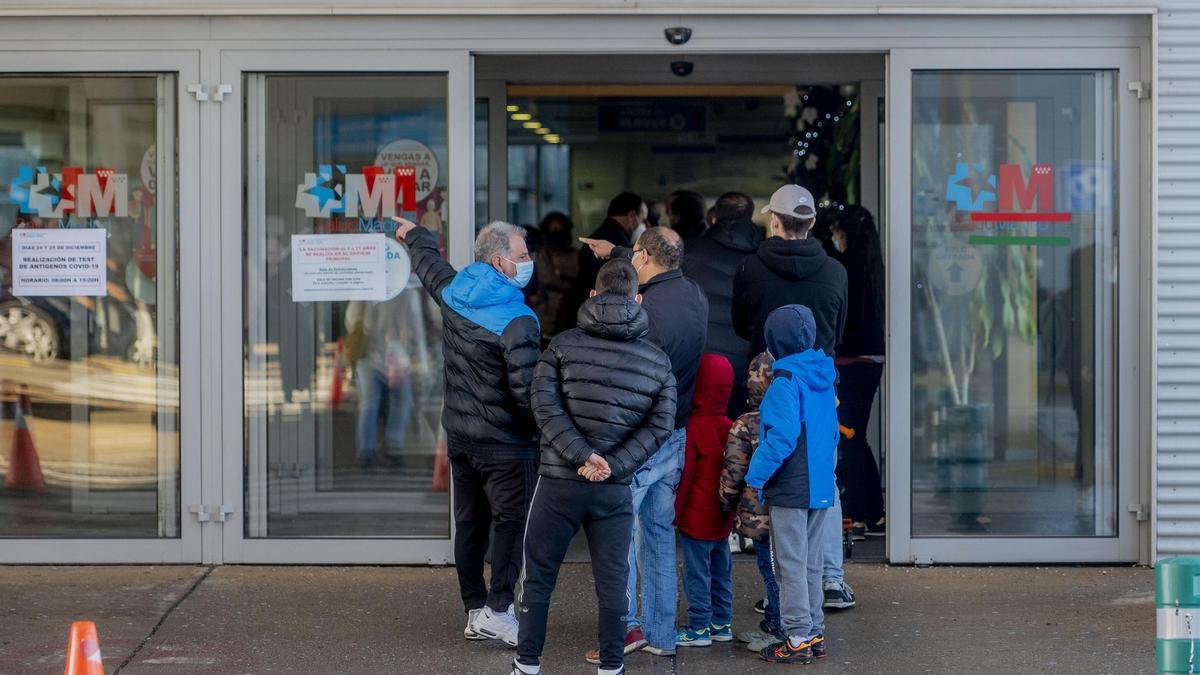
(242, 619)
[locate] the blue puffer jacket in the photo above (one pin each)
(491, 344)
(797, 449)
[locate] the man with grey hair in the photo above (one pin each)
(491, 343)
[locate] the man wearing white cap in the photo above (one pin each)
(789, 268)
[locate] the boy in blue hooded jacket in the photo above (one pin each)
(793, 470)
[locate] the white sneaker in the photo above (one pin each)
(502, 626)
(469, 632)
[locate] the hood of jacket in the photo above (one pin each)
(790, 329)
(714, 384)
(793, 258)
(613, 317)
(758, 379)
(736, 234)
(812, 368)
(484, 296)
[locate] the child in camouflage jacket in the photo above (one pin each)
(752, 520)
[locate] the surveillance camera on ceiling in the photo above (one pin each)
(682, 68)
(678, 35)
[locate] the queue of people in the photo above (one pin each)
(622, 423)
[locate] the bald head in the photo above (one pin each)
(664, 246)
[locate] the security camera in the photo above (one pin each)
(678, 35)
(682, 68)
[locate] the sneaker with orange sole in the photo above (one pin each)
(635, 639)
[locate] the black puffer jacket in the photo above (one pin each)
(603, 388)
(711, 261)
(785, 272)
(491, 345)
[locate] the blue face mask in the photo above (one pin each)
(524, 273)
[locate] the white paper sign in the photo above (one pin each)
(59, 262)
(339, 267)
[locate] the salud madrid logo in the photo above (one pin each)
(104, 193)
(375, 192)
(1009, 196)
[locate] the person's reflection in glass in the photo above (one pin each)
(384, 370)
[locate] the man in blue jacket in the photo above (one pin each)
(491, 343)
(793, 469)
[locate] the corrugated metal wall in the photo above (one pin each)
(1178, 461)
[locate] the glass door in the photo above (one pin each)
(98, 234)
(1014, 249)
(335, 451)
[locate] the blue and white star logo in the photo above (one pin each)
(320, 195)
(969, 187)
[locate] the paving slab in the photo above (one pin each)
(38, 604)
(909, 620)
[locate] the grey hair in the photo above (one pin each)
(494, 240)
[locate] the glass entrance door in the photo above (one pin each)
(342, 453)
(1015, 343)
(98, 224)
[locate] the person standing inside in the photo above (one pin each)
(626, 213)
(711, 261)
(790, 267)
(860, 365)
(704, 526)
(793, 471)
(491, 343)
(604, 399)
(678, 314)
(557, 267)
(687, 212)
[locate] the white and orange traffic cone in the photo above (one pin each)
(24, 468)
(83, 651)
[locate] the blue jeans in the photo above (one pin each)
(832, 549)
(707, 582)
(762, 552)
(372, 385)
(652, 550)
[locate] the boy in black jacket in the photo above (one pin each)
(604, 399)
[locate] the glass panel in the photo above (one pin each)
(481, 163)
(1013, 224)
(89, 377)
(343, 373)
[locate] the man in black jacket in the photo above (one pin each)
(790, 268)
(626, 212)
(491, 344)
(678, 314)
(711, 260)
(604, 399)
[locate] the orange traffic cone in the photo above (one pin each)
(24, 469)
(83, 652)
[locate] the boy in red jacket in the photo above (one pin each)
(703, 525)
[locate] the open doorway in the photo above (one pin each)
(574, 131)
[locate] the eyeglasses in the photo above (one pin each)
(638, 250)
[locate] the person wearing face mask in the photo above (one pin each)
(678, 311)
(492, 343)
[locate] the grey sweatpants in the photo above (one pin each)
(796, 554)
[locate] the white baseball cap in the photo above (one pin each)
(792, 200)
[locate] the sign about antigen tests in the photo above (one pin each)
(59, 262)
(339, 267)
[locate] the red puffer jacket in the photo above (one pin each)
(698, 511)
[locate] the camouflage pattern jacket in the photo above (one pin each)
(752, 520)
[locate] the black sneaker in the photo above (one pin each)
(819, 648)
(878, 528)
(761, 606)
(784, 652)
(838, 595)
(858, 532)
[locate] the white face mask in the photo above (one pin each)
(524, 273)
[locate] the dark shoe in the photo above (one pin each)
(858, 532)
(878, 528)
(838, 595)
(761, 606)
(635, 639)
(784, 652)
(819, 648)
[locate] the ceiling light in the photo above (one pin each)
(512, 108)
(532, 125)
(521, 117)
(542, 130)
(552, 138)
